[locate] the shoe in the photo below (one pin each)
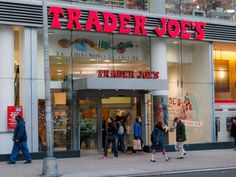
(168, 159)
(185, 154)
(180, 157)
(115, 158)
(11, 162)
(27, 162)
(153, 161)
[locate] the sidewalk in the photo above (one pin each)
(93, 166)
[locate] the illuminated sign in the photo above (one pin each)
(109, 22)
(128, 74)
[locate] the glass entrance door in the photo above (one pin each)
(89, 125)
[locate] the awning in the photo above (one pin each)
(120, 83)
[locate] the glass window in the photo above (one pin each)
(216, 9)
(224, 71)
(221, 76)
(190, 88)
(60, 70)
(131, 53)
(128, 4)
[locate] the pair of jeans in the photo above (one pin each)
(180, 148)
(235, 141)
(121, 141)
(112, 140)
(17, 147)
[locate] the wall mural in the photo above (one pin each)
(82, 44)
(186, 109)
(166, 109)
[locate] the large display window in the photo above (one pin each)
(224, 71)
(215, 9)
(189, 96)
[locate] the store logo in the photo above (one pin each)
(111, 22)
(128, 74)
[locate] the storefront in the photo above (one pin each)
(112, 64)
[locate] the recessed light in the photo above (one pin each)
(59, 74)
(107, 61)
(59, 70)
(123, 61)
(58, 57)
(92, 59)
(59, 63)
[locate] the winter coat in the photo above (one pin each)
(158, 139)
(111, 130)
(180, 132)
(20, 132)
(233, 130)
(137, 130)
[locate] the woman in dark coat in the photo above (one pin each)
(111, 138)
(233, 131)
(158, 141)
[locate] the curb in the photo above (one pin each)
(177, 172)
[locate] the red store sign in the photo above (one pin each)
(128, 74)
(12, 112)
(112, 22)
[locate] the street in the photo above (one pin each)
(211, 173)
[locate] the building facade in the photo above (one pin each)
(118, 58)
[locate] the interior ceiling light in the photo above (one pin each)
(107, 61)
(230, 11)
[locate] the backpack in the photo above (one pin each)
(155, 137)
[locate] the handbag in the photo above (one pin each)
(137, 144)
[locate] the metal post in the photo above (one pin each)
(49, 163)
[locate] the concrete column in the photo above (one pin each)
(28, 84)
(7, 85)
(159, 63)
(157, 6)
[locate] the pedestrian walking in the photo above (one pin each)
(20, 142)
(233, 131)
(121, 137)
(180, 137)
(111, 138)
(138, 133)
(158, 140)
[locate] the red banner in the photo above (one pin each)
(12, 112)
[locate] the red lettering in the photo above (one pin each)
(113, 73)
(93, 21)
(124, 19)
(140, 75)
(160, 32)
(73, 18)
(119, 74)
(56, 11)
(155, 75)
(140, 22)
(106, 73)
(110, 22)
(173, 33)
(147, 75)
(200, 34)
(125, 74)
(184, 28)
(131, 74)
(100, 73)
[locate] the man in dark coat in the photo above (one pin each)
(233, 131)
(180, 137)
(20, 142)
